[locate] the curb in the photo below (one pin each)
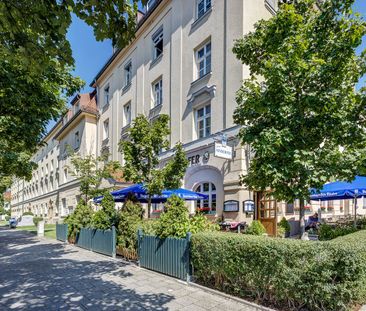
(242, 301)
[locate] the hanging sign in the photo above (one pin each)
(223, 151)
(231, 206)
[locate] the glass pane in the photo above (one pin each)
(198, 189)
(213, 187)
(208, 4)
(208, 109)
(208, 47)
(206, 187)
(201, 53)
(206, 203)
(200, 112)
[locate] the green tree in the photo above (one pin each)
(91, 170)
(80, 218)
(141, 155)
(106, 217)
(300, 110)
(36, 66)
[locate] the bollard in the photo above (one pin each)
(40, 228)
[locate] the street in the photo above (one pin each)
(44, 274)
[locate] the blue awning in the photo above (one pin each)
(340, 190)
(140, 193)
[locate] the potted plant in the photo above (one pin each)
(284, 228)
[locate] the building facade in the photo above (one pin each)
(53, 191)
(181, 64)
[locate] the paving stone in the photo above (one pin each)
(44, 274)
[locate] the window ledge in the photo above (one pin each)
(154, 112)
(156, 60)
(105, 108)
(200, 19)
(126, 88)
(125, 129)
(204, 77)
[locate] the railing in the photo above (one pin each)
(61, 232)
(99, 241)
(169, 256)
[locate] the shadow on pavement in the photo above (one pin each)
(46, 275)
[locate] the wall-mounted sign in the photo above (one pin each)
(248, 206)
(223, 151)
(199, 159)
(231, 206)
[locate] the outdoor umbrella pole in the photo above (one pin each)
(355, 209)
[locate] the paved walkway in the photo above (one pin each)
(44, 274)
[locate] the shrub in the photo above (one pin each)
(80, 218)
(130, 219)
(7, 218)
(28, 214)
(106, 217)
(287, 274)
(285, 225)
(256, 228)
(327, 232)
(175, 222)
(36, 220)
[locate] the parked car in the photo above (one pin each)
(13, 222)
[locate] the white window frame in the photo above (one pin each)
(106, 129)
(127, 114)
(158, 37)
(206, 118)
(207, 4)
(106, 95)
(212, 190)
(157, 90)
(77, 139)
(203, 59)
(128, 73)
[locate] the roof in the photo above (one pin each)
(116, 53)
(88, 104)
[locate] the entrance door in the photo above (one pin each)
(267, 212)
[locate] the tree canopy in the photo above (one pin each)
(36, 66)
(300, 110)
(141, 155)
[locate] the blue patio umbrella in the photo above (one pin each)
(341, 190)
(139, 191)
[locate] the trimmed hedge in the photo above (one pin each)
(287, 274)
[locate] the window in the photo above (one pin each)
(128, 73)
(42, 172)
(106, 95)
(52, 165)
(77, 140)
(158, 43)
(289, 208)
(106, 129)
(127, 114)
(63, 207)
(150, 4)
(203, 121)
(158, 93)
(210, 190)
(65, 174)
(76, 107)
(204, 60)
(46, 169)
(202, 7)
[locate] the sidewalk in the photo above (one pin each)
(44, 274)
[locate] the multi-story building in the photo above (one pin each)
(53, 191)
(181, 64)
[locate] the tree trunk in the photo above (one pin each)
(149, 206)
(302, 217)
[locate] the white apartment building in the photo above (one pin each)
(181, 64)
(53, 191)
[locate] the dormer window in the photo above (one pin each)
(150, 4)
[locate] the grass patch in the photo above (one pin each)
(4, 223)
(49, 230)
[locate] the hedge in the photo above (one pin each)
(287, 274)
